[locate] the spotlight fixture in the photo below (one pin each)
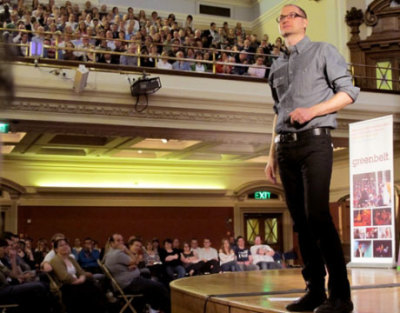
(144, 86)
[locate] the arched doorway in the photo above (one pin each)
(260, 209)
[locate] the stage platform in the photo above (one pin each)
(373, 291)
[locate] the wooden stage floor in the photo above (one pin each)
(373, 291)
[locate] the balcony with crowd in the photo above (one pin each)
(133, 38)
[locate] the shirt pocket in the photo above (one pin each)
(279, 85)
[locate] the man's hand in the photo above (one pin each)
(270, 170)
(301, 115)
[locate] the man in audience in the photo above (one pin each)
(209, 35)
(15, 287)
(88, 256)
(181, 64)
(130, 59)
(243, 256)
(194, 245)
(122, 266)
(263, 255)
(209, 256)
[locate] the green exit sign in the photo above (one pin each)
(262, 195)
(4, 127)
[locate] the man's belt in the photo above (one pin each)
(291, 137)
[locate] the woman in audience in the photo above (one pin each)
(199, 66)
(79, 293)
(227, 258)
(153, 262)
(171, 260)
(40, 251)
(190, 260)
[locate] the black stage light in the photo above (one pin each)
(145, 86)
(141, 88)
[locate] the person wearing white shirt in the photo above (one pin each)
(257, 71)
(163, 62)
(209, 256)
(263, 255)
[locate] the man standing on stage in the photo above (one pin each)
(309, 85)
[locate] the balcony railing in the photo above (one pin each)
(369, 78)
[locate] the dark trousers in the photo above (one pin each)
(305, 168)
(32, 297)
(83, 298)
(211, 266)
(154, 293)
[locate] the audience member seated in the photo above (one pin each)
(194, 246)
(16, 287)
(45, 265)
(171, 259)
(176, 244)
(263, 255)
(243, 256)
(199, 66)
(257, 71)
(26, 254)
(180, 64)
(209, 256)
(227, 258)
(88, 257)
(153, 262)
(12, 241)
(130, 60)
(40, 251)
(163, 62)
(77, 247)
(136, 249)
(190, 260)
(79, 293)
(123, 267)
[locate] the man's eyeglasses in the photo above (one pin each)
(290, 16)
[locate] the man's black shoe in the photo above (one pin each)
(335, 306)
(308, 302)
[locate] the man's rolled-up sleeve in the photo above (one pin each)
(338, 75)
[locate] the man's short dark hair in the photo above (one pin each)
(212, 24)
(295, 5)
(3, 243)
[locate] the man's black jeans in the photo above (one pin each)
(305, 168)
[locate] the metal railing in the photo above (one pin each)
(364, 76)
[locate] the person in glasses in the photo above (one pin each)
(309, 85)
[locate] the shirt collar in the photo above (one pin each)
(300, 46)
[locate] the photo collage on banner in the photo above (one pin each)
(372, 215)
(371, 192)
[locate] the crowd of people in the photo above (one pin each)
(134, 39)
(139, 267)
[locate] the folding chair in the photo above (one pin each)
(4, 307)
(128, 298)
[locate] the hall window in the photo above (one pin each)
(384, 75)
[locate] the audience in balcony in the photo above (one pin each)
(156, 36)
